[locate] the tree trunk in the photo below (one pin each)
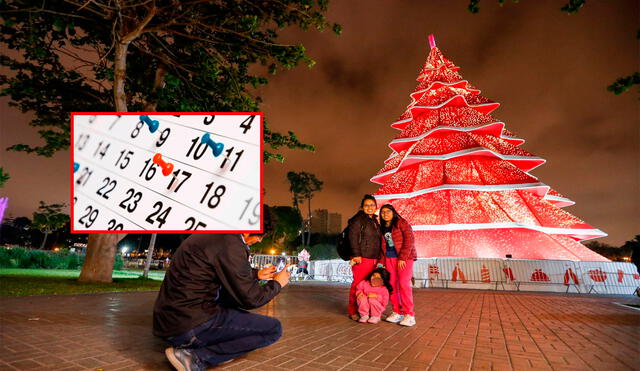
(44, 240)
(101, 248)
(310, 221)
(120, 74)
(120, 60)
(101, 252)
(147, 263)
(151, 105)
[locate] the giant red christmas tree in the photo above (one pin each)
(463, 183)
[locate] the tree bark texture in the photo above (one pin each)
(150, 106)
(44, 240)
(101, 252)
(147, 263)
(310, 222)
(119, 76)
(120, 61)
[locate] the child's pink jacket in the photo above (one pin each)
(365, 288)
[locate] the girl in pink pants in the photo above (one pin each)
(400, 253)
(402, 300)
(373, 295)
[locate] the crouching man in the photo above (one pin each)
(201, 307)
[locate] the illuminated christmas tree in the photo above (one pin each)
(463, 183)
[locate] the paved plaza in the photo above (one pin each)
(457, 329)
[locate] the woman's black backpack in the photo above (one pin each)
(344, 245)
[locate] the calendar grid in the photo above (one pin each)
(205, 131)
(108, 208)
(167, 157)
(160, 194)
(164, 197)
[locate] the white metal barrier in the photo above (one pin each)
(260, 261)
(544, 275)
(467, 273)
(506, 274)
(609, 277)
(424, 271)
(331, 270)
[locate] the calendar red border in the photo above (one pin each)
(73, 114)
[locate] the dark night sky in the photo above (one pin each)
(548, 70)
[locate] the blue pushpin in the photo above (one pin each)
(153, 124)
(215, 147)
(76, 166)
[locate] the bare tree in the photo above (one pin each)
(302, 186)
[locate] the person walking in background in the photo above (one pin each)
(364, 239)
(399, 255)
(303, 264)
(200, 309)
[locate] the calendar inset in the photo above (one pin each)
(165, 172)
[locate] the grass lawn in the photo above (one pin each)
(21, 282)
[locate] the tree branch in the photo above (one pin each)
(120, 61)
(139, 29)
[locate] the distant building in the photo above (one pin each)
(335, 223)
(324, 222)
(319, 221)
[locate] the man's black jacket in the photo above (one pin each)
(204, 267)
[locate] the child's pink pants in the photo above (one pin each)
(402, 296)
(360, 272)
(370, 306)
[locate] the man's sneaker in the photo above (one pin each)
(180, 359)
(363, 319)
(374, 320)
(408, 321)
(394, 317)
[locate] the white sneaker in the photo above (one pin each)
(394, 317)
(408, 321)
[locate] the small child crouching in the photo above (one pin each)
(373, 295)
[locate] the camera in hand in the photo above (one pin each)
(280, 264)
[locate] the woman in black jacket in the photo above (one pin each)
(364, 239)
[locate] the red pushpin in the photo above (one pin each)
(167, 168)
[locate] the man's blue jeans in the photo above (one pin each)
(229, 334)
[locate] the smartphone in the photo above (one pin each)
(280, 264)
